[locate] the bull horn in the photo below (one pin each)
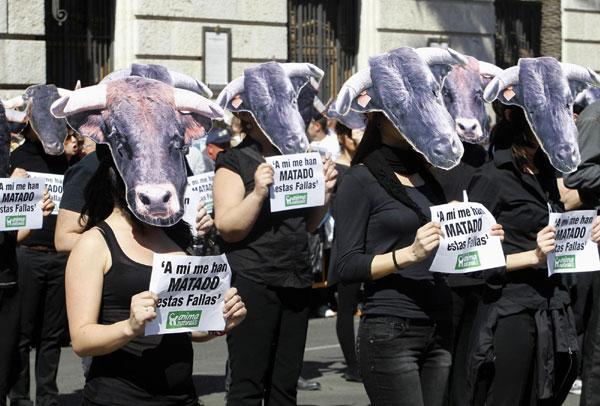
(489, 69)
(182, 81)
(357, 83)
(438, 56)
(16, 101)
(64, 92)
(87, 98)
(233, 88)
(15, 116)
(508, 77)
(118, 74)
(314, 83)
(580, 99)
(302, 69)
(186, 100)
(576, 72)
(77, 85)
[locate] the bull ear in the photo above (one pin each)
(88, 124)
(196, 126)
(577, 87)
(440, 72)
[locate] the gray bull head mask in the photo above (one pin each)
(405, 85)
(50, 130)
(10, 123)
(270, 93)
(352, 119)
(147, 124)
(463, 97)
(545, 88)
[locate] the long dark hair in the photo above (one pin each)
(107, 189)
(368, 153)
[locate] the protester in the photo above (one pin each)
(203, 154)
(108, 303)
(524, 313)
(71, 148)
(268, 252)
(320, 140)
(10, 303)
(585, 183)
(41, 283)
(384, 235)
(348, 294)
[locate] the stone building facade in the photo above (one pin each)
(171, 32)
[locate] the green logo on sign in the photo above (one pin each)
(564, 262)
(15, 221)
(187, 318)
(209, 206)
(467, 260)
(296, 199)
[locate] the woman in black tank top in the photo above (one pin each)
(108, 303)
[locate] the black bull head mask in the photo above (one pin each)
(405, 85)
(147, 124)
(545, 88)
(37, 100)
(270, 93)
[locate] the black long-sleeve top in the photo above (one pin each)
(370, 222)
(519, 202)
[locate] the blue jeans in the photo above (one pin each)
(404, 362)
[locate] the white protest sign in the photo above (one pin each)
(54, 183)
(199, 188)
(574, 251)
(467, 245)
(191, 293)
(21, 203)
(298, 182)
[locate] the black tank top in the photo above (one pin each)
(150, 371)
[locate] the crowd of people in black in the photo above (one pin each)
(504, 336)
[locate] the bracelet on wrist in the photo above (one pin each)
(395, 260)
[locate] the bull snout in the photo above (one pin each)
(157, 201)
(446, 153)
(469, 129)
(566, 158)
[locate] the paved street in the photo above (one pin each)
(323, 362)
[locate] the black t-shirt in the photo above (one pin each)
(8, 261)
(275, 252)
(75, 182)
(31, 157)
(519, 202)
(369, 222)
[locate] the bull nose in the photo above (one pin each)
(153, 196)
(468, 127)
(447, 148)
(568, 155)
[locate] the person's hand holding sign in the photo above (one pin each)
(47, 203)
(497, 231)
(142, 309)
(426, 240)
(545, 243)
(19, 173)
(234, 309)
(203, 220)
(263, 180)
(330, 175)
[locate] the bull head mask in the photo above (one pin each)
(36, 101)
(463, 97)
(352, 119)
(545, 88)
(270, 93)
(10, 123)
(147, 124)
(405, 85)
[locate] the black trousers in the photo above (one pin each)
(267, 349)
(465, 300)
(348, 298)
(404, 362)
(10, 316)
(513, 378)
(42, 285)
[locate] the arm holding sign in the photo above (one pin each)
(316, 214)
(234, 311)
(235, 214)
